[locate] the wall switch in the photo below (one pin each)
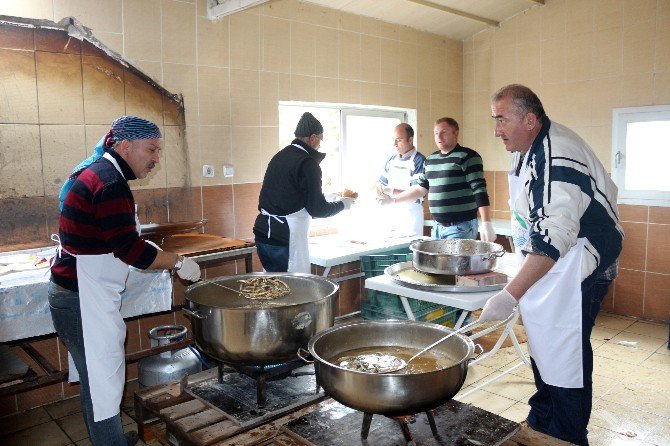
(207, 171)
(228, 171)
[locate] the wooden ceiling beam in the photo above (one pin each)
(458, 12)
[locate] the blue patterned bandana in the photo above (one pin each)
(131, 128)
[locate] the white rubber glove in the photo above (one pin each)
(486, 232)
(189, 270)
(498, 307)
(153, 244)
(386, 200)
(347, 201)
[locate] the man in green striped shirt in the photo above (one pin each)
(453, 178)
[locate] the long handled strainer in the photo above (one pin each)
(384, 363)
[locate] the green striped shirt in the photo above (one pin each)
(456, 185)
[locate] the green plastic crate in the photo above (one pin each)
(374, 265)
(442, 315)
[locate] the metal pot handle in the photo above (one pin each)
(481, 352)
(494, 254)
(300, 355)
(195, 314)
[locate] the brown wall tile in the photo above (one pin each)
(629, 293)
(8, 405)
(152, 205)
(501, 195)
(142, 99)
(633, 213)
(658, 256)
(17, 176)
(39, 397)
(349, 298)
(659, 215)
(59, 81)
(103, 90)
(18, 96)
(657, 299)
(246, 209)
(133, 343)
(55, 41)
(634, 246)
(23, 222)
(218, 210)
(17, 38)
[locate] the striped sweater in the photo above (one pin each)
(456, 185)
(98, 217)
(568, 194)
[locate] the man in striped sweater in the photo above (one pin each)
(454, 180)
(99, 239)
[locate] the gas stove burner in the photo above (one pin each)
(262, 374)
(403, 421)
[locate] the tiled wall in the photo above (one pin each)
(582, 58)
(231, 73)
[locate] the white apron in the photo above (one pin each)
(399, 176)
(298, 227)
(101, 279)
(552, 308)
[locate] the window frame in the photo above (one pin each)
(621, 117)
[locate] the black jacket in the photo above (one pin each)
(292, 182)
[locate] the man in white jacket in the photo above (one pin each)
(566, 226)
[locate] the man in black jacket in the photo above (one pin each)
(290, 196)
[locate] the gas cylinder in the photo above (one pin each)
(169, 365)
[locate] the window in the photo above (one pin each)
(357, 141)
(641, 154)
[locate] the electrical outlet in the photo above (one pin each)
(228, 171)
(207, 171)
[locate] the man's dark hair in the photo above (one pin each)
(409, 131)
(523, 98)
(451, 121)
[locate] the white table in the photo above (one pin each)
(465, 301)
(331, 250)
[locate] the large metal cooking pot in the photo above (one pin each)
(455, 256)
(389, 394)
(237, 330)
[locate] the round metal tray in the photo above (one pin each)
(394, 270)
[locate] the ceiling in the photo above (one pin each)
(454, 19)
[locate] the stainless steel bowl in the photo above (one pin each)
(389, 394)
(237, 330)
(455, 256)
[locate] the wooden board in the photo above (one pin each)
(197, 244)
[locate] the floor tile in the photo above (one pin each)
(47, 434)
(603, 385)
(513, 387)
(516, 413)
(629, 355)
(64, 408)
(603, 333)
(477, 373)
(599, 436)
(74, 426)
(649, 377)
(502, 358)
(623, 419)
(659, 361)
(640, 397)
(24, 420)
(489, 401)
(663, 349)
(523, 371)
(613, 321)
(611, 368)
(660, 435)
(643, 342)
(650, 329)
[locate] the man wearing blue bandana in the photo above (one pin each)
(98, 240)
